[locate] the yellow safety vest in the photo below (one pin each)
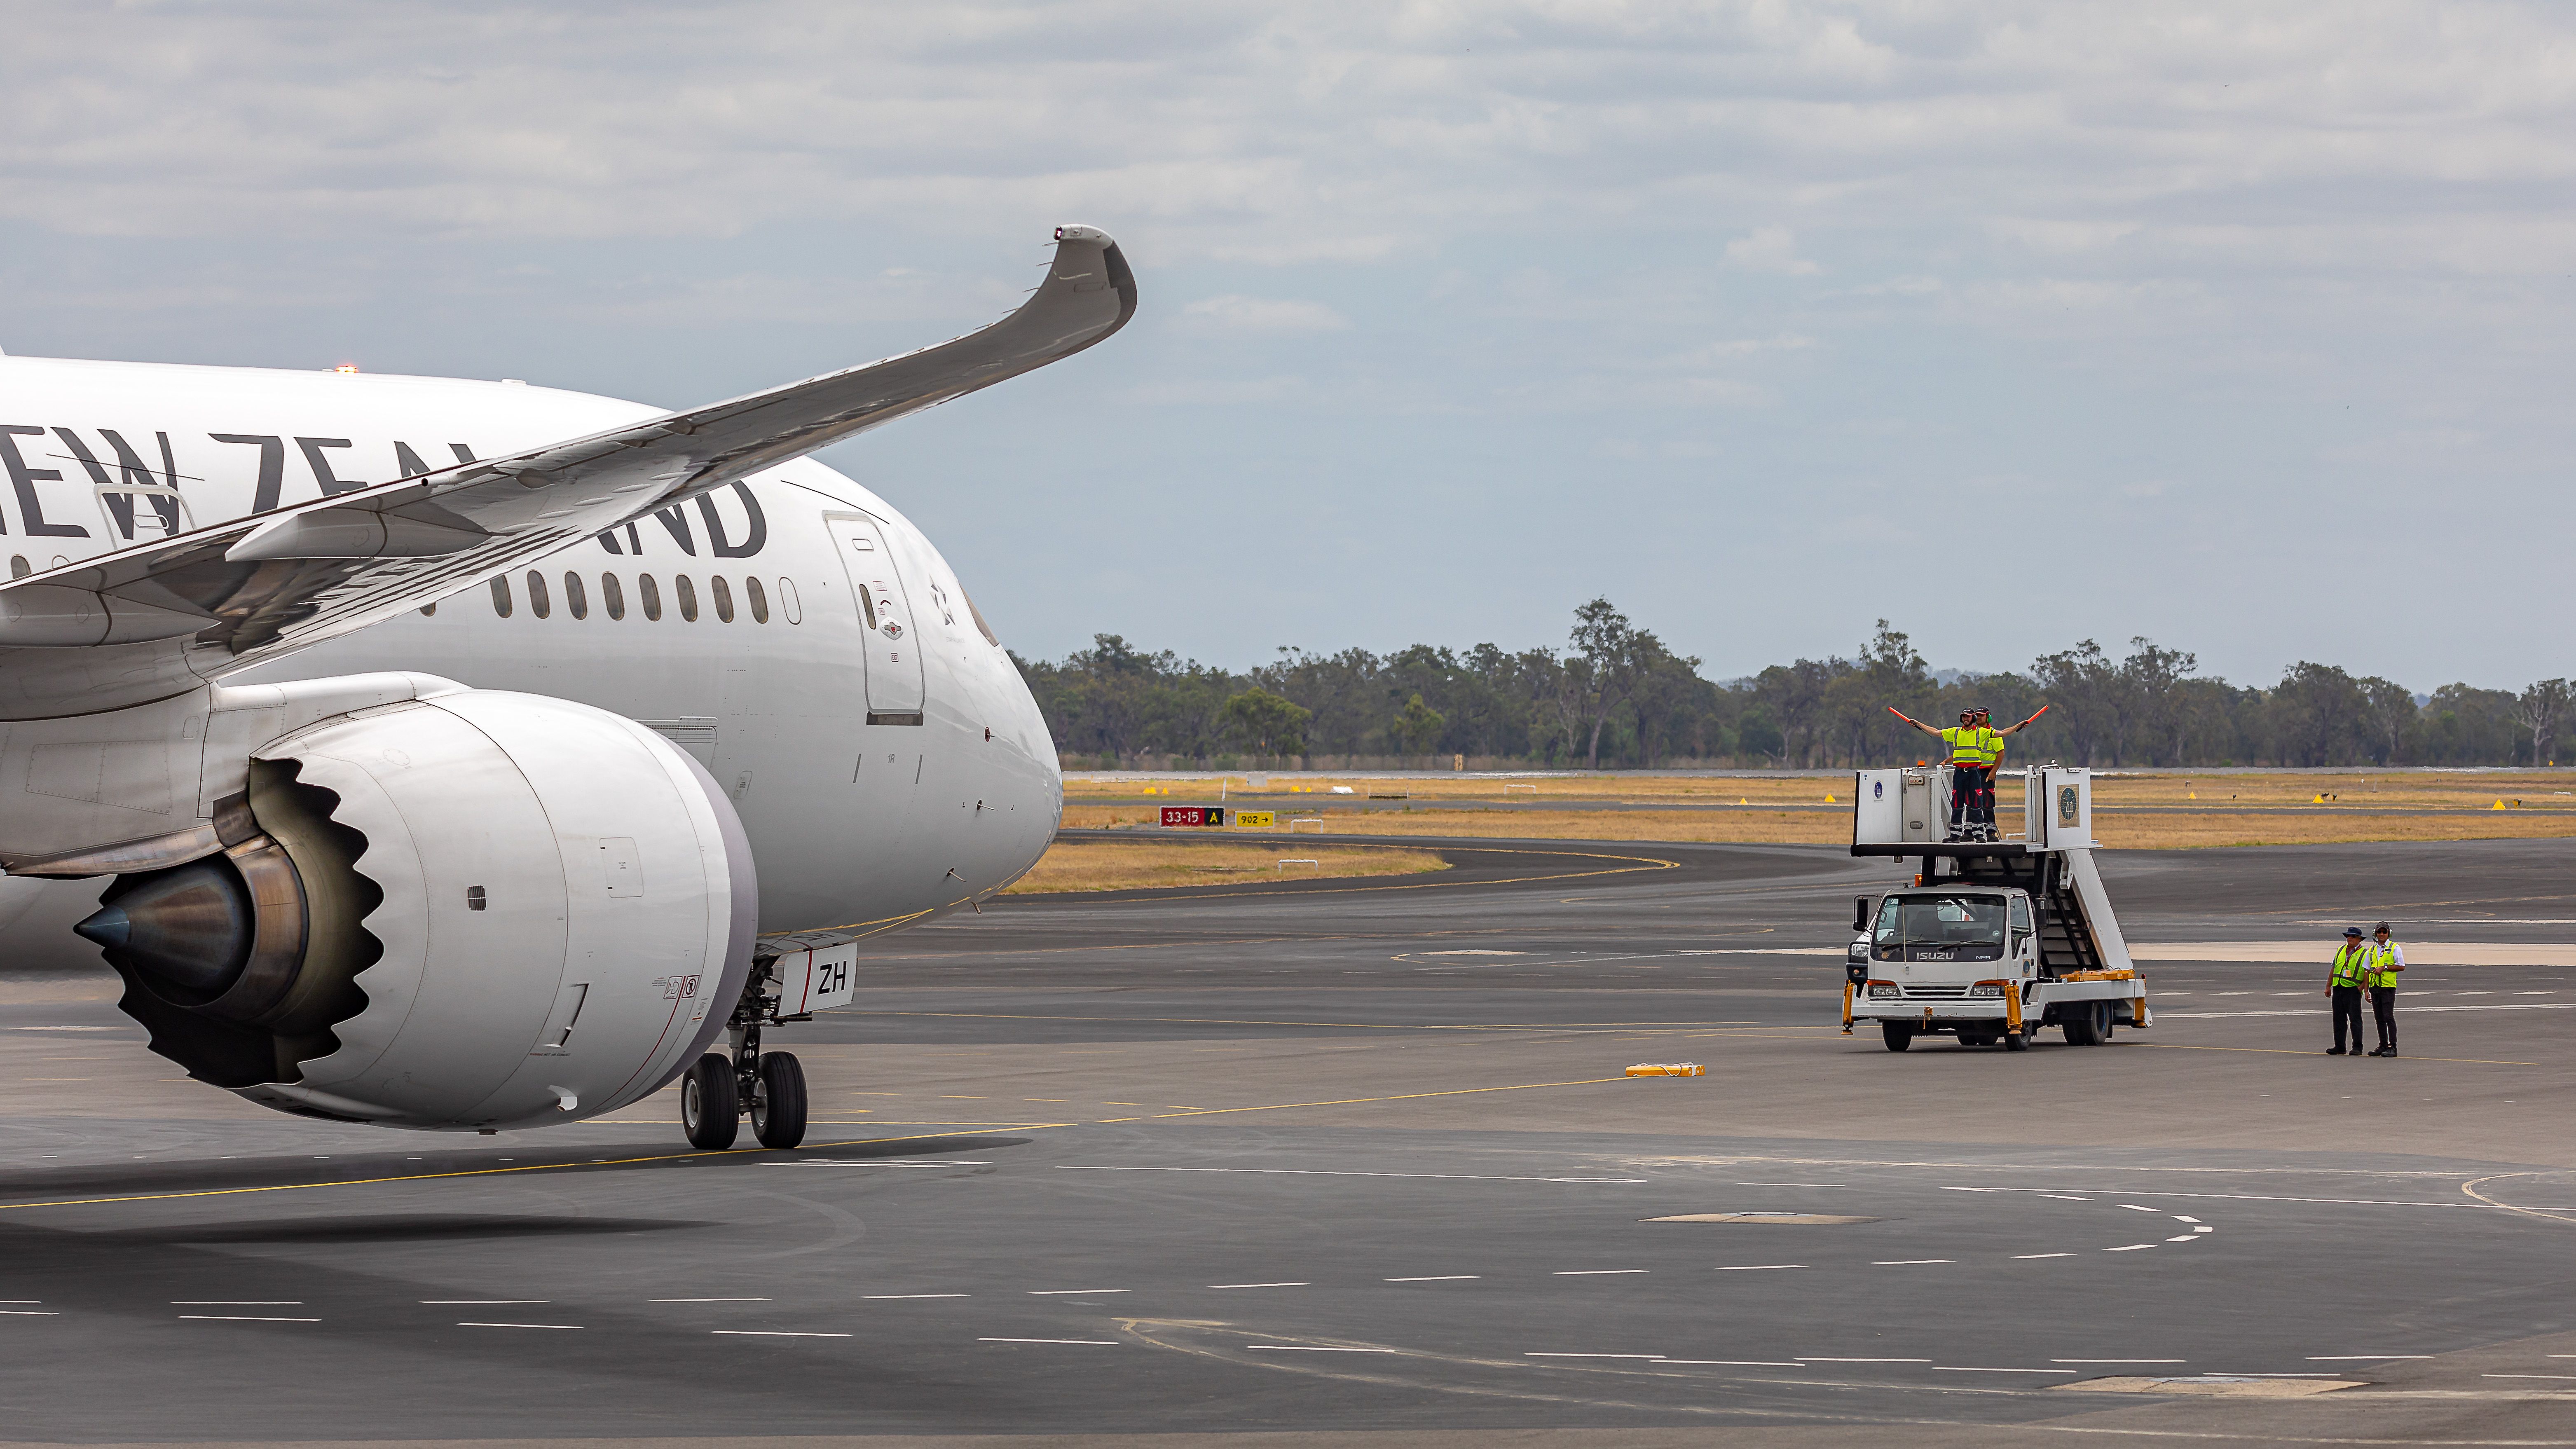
(1990, 745)
(2383, 962)
(2352, 965)
(1967, 746)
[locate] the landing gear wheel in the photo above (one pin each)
(2017, 1041)
(711, 1106)
(778, 1113)
(1897, 1034)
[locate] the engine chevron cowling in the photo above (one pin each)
(555, 910)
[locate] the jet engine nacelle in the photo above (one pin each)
(475, 910)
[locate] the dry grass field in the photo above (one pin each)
(1286, 793)
(1124, 865)
(2164, 810)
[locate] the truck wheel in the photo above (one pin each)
(2017, 1041)
(2079, 1030)
(1897, 1034)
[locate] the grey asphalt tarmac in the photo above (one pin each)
(1309, 805)
(1357, 1163)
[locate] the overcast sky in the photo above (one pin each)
(2242, 326)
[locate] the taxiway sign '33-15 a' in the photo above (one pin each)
(489, 796)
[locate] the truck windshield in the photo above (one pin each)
(1938, 926)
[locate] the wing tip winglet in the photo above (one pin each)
(1112, 260)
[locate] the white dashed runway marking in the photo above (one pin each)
(1321, 1172)
(768, 1333)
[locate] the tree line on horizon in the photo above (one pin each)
(1616, 696)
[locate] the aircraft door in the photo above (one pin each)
(893, 651)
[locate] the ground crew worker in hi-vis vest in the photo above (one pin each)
(2386, 961)
(2353, 967)
(1976, 748)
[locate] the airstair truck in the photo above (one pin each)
(1994, 940)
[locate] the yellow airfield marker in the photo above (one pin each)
(1668, 1069)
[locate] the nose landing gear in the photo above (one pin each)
(769, 1087)
(778, 1111)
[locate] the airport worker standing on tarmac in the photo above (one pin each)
(1976, 747)
(2353, 965)
(2387, 959)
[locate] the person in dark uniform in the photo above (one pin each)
(2386, 961)
(2352, 968)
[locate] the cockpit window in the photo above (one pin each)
(978, 616)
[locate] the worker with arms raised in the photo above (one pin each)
(1976, 748)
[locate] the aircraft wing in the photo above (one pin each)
(147, 622)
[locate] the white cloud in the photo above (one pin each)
(1770, 249)
(2060, 237)
(1711, 353)
(1237, 313)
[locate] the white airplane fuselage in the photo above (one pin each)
(793, 632)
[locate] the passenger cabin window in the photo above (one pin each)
(18, 568)
(576, 598)
(724, 598)
(651, 593)
(612, 597)
(429, 611)
(538, 603)
(759, 599)
(501, 596)
(688, 593)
